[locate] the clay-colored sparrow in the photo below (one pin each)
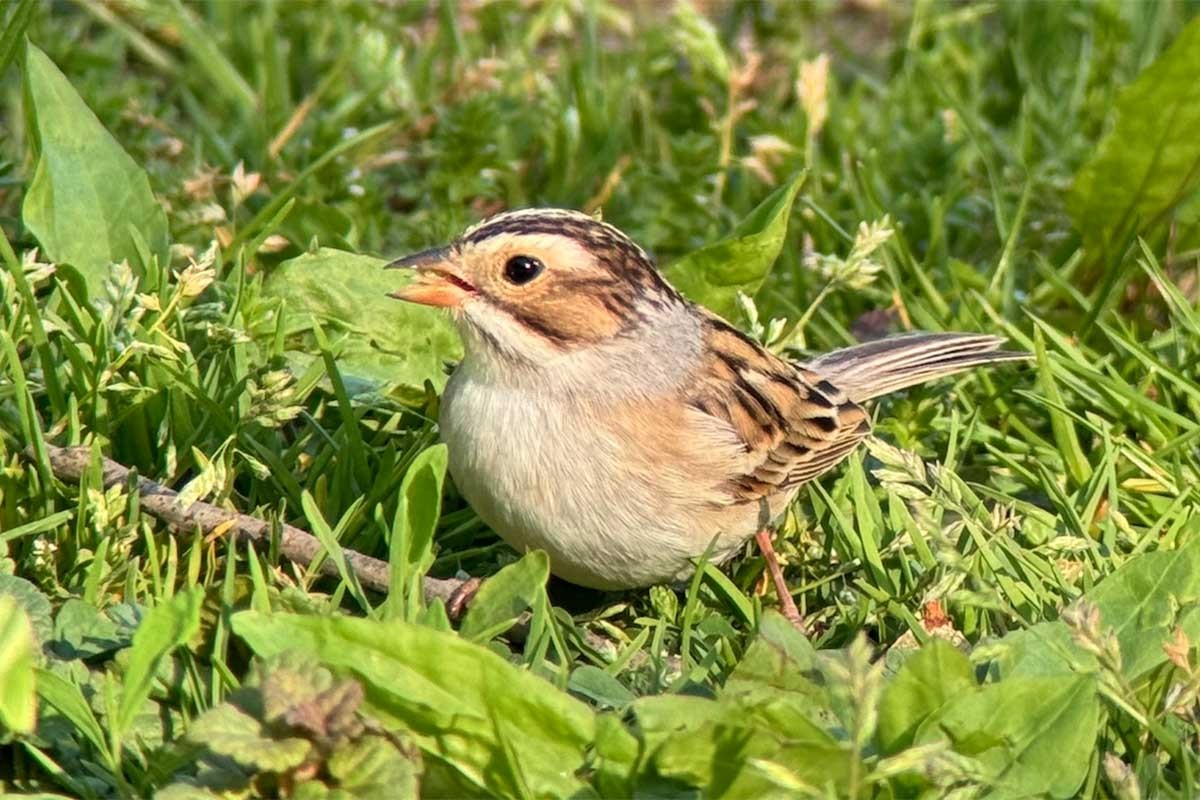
(601, 417)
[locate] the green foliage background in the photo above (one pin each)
(197, 197)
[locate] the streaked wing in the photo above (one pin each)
(787, 424)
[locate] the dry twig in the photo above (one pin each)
(300, 547)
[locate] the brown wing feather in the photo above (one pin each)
(790, 423)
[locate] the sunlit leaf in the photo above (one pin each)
(17, 697)
(412, 531)
(374, 767)
(598, 686)
(1150, 161)
(380, 342)
(713, 275)
(87, 195)
(712, 745)
(1145, 599)
(1045, 649)
(1142, 603)
(505, 595)
(500, 726)
(166, 627)
(1033, 736)
(35, 603)
(231, 732)
(81, 631)
(930, 678)
(780, 659)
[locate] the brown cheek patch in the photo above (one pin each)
(565, 321)
(590, 292)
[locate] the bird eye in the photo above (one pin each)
(522, 269)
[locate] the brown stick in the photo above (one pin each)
(300, 547)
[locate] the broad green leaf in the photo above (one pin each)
(293, 719)
(1142, 602)
(501, 727)
(931, 677)
(503, 597)
(87, 196)
(615, 757)
(289, 682)
(229, 731)
(35, 603)
(600, 687)
(767, 726)
(780, 659)
(1041, 650)
(1187, 222)
(384, 344)
(166, 627)
(411, 545)
(713, 275)
(81, 631)
(375, 768)
(724, 748)
(1150, 161)
(779, 681)
(17, 696)
(1032, 735)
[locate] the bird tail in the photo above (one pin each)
(876, 368)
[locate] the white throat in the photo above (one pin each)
(652, 359)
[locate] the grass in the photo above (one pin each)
(1027, 169)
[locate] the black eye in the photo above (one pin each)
(522, 269)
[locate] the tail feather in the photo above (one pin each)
(876, 368)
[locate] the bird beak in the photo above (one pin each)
(438, 281)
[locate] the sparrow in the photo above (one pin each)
(600, 416)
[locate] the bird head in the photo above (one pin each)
(537, 284)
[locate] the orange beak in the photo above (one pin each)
(437, 283)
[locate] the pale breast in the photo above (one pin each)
(612, 499)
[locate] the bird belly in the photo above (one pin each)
(544, 476)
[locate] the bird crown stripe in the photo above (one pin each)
(553, 221)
